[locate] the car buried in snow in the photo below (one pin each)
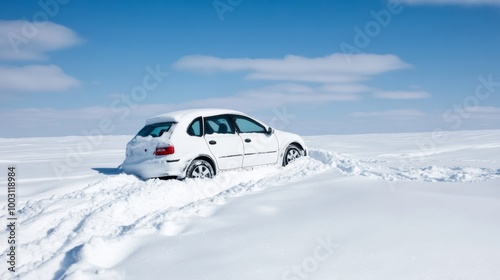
(200, 143)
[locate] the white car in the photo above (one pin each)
(200, 143)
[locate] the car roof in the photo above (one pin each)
(177, 116)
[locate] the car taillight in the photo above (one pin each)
(163, 151)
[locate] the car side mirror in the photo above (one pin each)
(270, 130)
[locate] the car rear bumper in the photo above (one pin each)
(154, 168)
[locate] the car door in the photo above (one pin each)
(259, 146)
(224, 144)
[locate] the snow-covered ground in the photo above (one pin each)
(386, 206)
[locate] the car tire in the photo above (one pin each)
(292, 153)
(200, 169)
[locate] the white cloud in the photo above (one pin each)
(291, 87)
(333, 68)
(25, 40)
(342, 92)
(452, 2)
(390, 113)
(339, 78)
(306, 77)
(401, 94)
(484, 109)
(345, 88)
(483, 113)
(35, 78)
(270, 97)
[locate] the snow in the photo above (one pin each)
(386, 206)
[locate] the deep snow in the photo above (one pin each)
(387, 206)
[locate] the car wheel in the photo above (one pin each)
(292, 153)
(200, 169)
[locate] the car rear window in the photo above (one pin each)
(155, 130)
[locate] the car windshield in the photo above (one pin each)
(155, 130)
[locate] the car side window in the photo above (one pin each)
(247, 125)
(218, 124)
(195, 128)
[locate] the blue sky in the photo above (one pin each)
(307, 66)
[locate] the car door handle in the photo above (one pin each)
(212, 142)
(248, 140)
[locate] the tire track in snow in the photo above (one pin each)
(62, 231)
